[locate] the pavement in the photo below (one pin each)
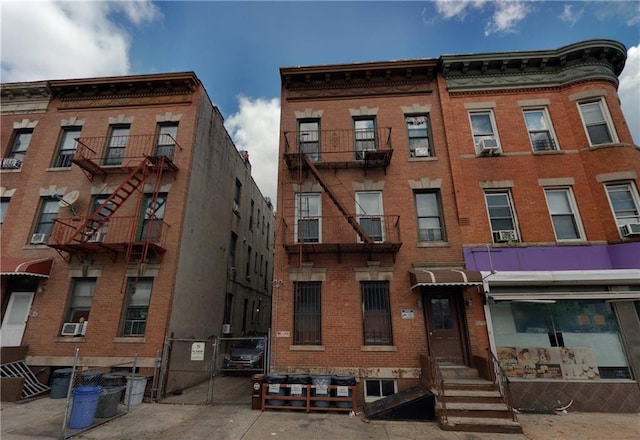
(42, 418)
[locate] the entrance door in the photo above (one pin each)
(15, 319)
(443, 327)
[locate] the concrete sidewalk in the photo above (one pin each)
(42, 419)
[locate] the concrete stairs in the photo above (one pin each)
(471, 404)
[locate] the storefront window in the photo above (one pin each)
(561, 339)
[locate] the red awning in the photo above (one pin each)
(444, 277)
(35, 267)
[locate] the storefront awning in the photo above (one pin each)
(35, 267)
(444, 277)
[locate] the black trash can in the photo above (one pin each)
(113, 385)
(279, 379)
(298, 379)
(60, 383)
(256, 390)
(320, 389)
(91, 378)
(343, 381)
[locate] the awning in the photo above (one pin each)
(35, 267)
(444, 277)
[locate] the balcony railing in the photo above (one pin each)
(328, 234)
(340, 146)
(113, 152)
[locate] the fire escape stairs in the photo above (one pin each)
(351, 219)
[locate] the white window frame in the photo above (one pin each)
(362, 214)
(573, 212)
(624, 220)
(438, 206)
(606, 120)
(546, 119)
(512, 211)
(302, 213)
(370, 398)
(412, 120)
(478, 137)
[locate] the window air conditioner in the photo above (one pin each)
(38, 238)
(503, 236)
(422, 152)
(631, 229)
(98, 237)
(226, 329)
(11, 163)
(489, 145)
(74, 328)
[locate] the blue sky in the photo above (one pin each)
(236, 48)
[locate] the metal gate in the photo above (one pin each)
(210, 371)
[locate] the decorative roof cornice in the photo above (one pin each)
(25, 91)
(583, 61)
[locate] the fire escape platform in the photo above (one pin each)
(347, 248)
(371, 159)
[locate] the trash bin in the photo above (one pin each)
(256, 390)
(343, 381)
(113, 386)
(60, 383)
(135, 389)
(83, 409)
(298, 379)
(275, 380)
(320, 389)
(91, 377)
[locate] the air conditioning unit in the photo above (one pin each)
(11, 163)
(631, 229)
(98, 237)
(38, 238)
(489, 145)
(235, 207)
(422, 152)
(226, 329)
(504, 236)
(74, 328)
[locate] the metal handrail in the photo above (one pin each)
(502, 380)
(437, 382)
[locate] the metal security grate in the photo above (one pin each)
(32, 386)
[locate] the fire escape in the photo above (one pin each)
(349, 231)
(139, 237)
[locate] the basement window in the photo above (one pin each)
(375, 389)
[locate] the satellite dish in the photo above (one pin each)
(69, 199)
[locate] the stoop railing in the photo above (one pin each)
(502, 380)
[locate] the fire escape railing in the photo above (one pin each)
(502, 380)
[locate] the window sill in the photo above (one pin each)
(306, 348)
(423, 159)
(378, 348)
(573, 243)
(10, 170)
(130, 339)
(69, 339)
(546, 152)
(610, 145)
(59, 169)
(424, 244)
(34, 246)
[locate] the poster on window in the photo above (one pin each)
(578, 363)
(531, 362)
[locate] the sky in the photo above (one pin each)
(237, 47)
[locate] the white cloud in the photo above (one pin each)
(255, 128)
(506, 17)
(629, 92)
(457, 8)
(52, 40)
(569, 15)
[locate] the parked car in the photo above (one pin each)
(245, 354)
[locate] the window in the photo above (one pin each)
(247, 272)
(105, 211)
(370, 214)
(307, 316)
(309, 139)
(539, 128)
(236, 197)
(255, 263)
(625, 203)
(167, 134)
(430, 226)
(485, 135)
(501, 216)
(4, 205)
(81, 299)
(153, 215)
(253, 207)
(597, 122)
(563, 214)
(137, 306)
(232, 250)
(19, 146)
(418, 132)
(376, 313)
(375, 389)
(308, 215)
(66, 147)
(365, 136)
(48, 212)
(118, 138)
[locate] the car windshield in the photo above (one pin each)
(248, 343)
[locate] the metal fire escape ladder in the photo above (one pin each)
(103, 213)
(351, 219)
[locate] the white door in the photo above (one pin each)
(15, 319)
(370, 214)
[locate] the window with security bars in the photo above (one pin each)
(376, 313)
(307, 313)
